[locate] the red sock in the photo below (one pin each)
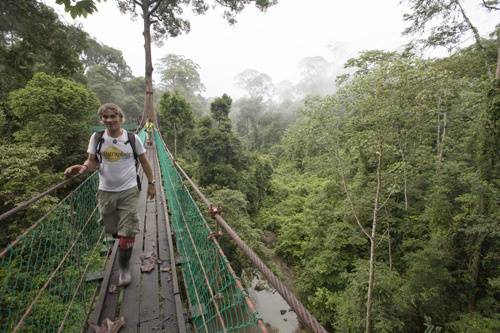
(126, 242)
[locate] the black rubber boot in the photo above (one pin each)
(123, 263)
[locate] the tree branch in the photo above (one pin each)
(138, 3)
(474, 30)
(155, 7)
(489, 6)
(352, 208)
(477, 37)
(376, 206)
(386, 199)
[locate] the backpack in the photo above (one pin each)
(99, 140)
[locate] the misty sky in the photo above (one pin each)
(272, 42)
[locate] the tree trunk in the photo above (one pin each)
(405, 180)
(477, 37)
(175, 141)
(390, 248)
(148, 101)
(474, 268)
(371, 273)
(438, 139)
(497, 74)
(441, 136)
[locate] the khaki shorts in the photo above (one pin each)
(119, 211)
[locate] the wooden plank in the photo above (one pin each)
(95, 316)
(167, 298)
(94, 276)
(170, 289)
(129, 308)
(150, 304)
(111, 303)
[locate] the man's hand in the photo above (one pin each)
(151, 191)
(77, 169)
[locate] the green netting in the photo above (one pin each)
(204, 266)
(142, 136)
(42, 275)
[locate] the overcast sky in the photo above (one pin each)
(272, 42)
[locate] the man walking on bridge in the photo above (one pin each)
(115, 152)
(149, 127)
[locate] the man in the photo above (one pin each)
(118, 192)
(149, 126)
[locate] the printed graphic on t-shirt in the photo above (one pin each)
(113, 154)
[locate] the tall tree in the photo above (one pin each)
(220, 108)
(180, 74)
(445, 23)
(316, 76)
(453, 22)
(219, 151)
(258, 85)
(176, 119)
(33, 39)
(111, 59)
(162, 19)
(52, 112)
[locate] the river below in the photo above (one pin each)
(274, 310)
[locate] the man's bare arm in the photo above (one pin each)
(149, 174)
(89, 165)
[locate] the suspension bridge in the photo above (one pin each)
(61, 274)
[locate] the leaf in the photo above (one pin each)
(112, 289)
(109, 326)
(148, 262)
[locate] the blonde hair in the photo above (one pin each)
(111, 107)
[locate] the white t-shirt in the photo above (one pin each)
(117, 169)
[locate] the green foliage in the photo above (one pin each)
(446, 12)
(51, 112)
(181, 75)
(80, 7)
(476, 323)
(220, 108)
(168, 21)
(389, 301)
(433, 124)
(2, 117)
(33, 39)
(110, 78)
(25, 173)
(235, 209)
(176, 120)
(219, 153)
(110, 59)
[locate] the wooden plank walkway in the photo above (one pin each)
(151, 303)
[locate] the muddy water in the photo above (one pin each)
(273, 308)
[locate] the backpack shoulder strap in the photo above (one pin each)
(131, 140)
(98, 141)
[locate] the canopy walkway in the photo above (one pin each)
(61, 274)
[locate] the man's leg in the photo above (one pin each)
(125, 246)
(128, 226)
(106, 202)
